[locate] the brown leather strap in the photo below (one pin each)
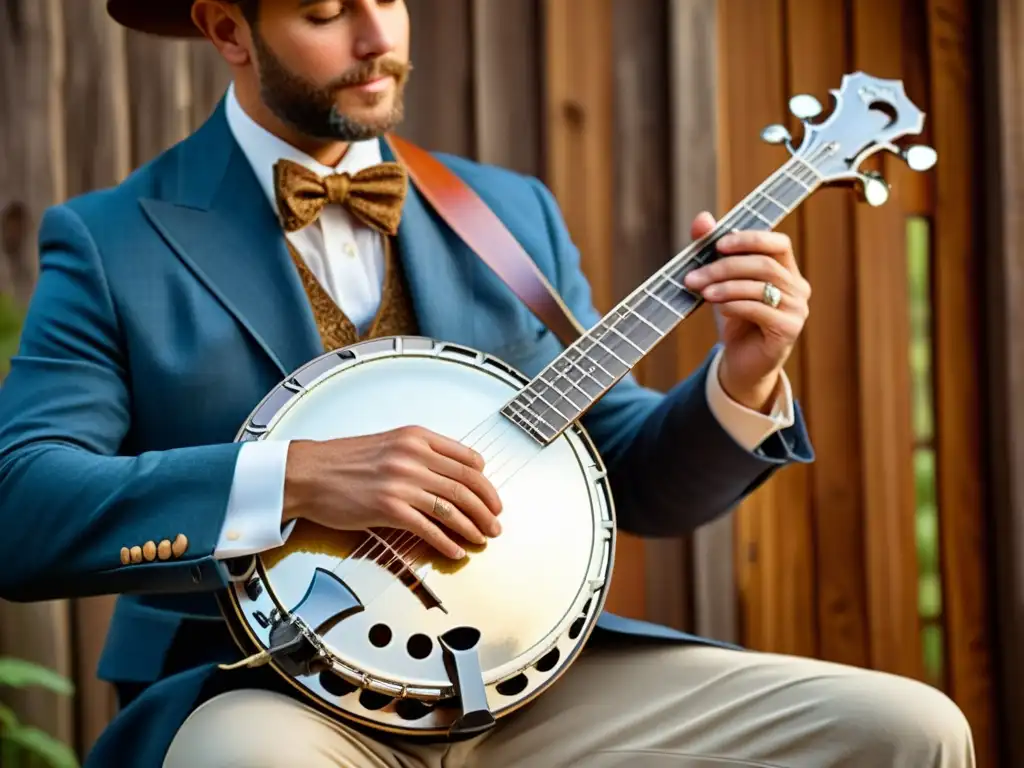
(481, 229)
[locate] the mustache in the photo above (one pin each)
(369, 71)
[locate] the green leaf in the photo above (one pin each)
(54, 752)
(18, 673)
(8, 720)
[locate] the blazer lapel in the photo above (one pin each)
(224, 229)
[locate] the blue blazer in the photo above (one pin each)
(165, 310)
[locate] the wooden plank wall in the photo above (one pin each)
(638, 114)
(1000, 91)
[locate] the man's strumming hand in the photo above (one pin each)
(757, 337)
(410, 479)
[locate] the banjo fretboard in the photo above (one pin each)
(562, 392)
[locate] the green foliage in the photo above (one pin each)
(24, 743)
(11, 317)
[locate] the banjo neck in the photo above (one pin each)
(570, 385)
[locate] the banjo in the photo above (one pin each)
(375, 628)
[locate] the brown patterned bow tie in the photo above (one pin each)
(374, 195)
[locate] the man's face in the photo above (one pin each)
(333, 69)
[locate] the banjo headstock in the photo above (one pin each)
(870, 115)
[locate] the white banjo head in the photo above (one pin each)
(517, 611)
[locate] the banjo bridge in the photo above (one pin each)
(399, 565)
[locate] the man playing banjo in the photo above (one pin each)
(168, 307)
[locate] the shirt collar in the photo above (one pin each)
(263, 149)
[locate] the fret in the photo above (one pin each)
(789, 174)
(800, 161)
(540, 396)
(577, 378)
(764, 219)
(663, 303)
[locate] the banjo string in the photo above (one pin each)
(407, 541)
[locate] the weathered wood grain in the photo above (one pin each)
(643, 188)
(160, 93)
(32, 178)
(817, 63)
(883, 344)
(507, 114)
(774, 553)
(696, 155)
(1000, 97)
(959, 356)
(439, 100)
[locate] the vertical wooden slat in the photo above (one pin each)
(1000, 86)
(159, 95)
(643, 236)
(958, 357)
(439, 100)
(885, 416)
(32, 177)
(32, 173)
(774, 553)
(695, 154)
(579, 134)
(579, 130)
(506, 43)
(818, 59)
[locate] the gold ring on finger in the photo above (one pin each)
(441, 509)
(771, 296)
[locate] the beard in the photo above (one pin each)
(313, 111)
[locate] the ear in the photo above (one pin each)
(223, 25)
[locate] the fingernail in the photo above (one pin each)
(727, 242)
(460, 553)
(694, 279)
(495, 529)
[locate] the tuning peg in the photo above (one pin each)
(776, 134)
(874, 190)
(920, 157)
(804, 106)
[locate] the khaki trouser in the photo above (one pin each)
(641, 707)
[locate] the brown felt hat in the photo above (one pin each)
(168, 18)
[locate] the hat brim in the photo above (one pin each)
(166, 18)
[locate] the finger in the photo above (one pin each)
(453, 449)
(703, 224)
(445, 512)
(768, 242)
(783, 325)
(464, 500)
(746, 267)
(739, 290)
(468, 476)
(415, 522)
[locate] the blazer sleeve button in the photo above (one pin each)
(136, 555)
(149, 551)
(126, 556)
(180, 545)
(164, 550)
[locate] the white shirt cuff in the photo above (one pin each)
(748, 427)
(253, 521)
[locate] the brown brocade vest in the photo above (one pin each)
(395, 315)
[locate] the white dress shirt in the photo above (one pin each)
(347, 259)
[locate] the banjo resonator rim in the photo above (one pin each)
(538, 667)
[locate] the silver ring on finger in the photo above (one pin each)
(771, 295)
